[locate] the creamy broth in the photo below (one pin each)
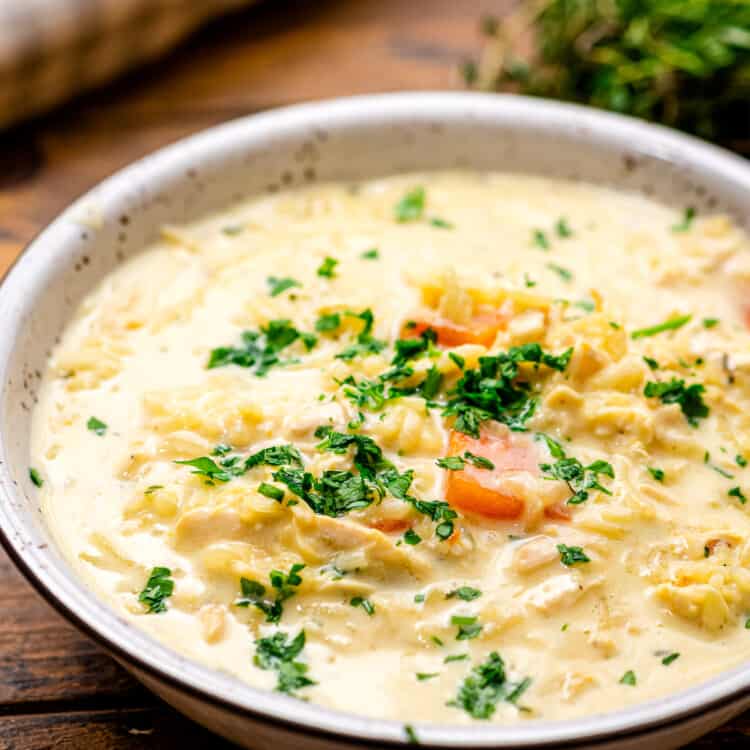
(575, 358)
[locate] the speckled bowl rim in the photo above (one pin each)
(55, 581)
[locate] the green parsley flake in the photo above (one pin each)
(97, 426)
(268, 490)
(667, 660)
(465, 593)
(495, 391)
(366, 604)
(468, 627)
(579, 478)
(159, 587)
(371, 254)
(441, 223)
(710, 322)
(411, 206)
(737, 492)
(657, 474)
(411, 537)
(327, 268)
(539, 239)
(562, 228)
(529, 283)
(411, 735)
(687, 220)
(572, 555)
(652, 363)
(451, 463)
(285, 586)
(457, 657)
(419, 598)
(36, 477)
(565, 274)
(740, 460)
(232, 230)
(277, 286)
(260, 349)
(690, 398)
(486, 686)
(424, 676)
(668, 325)
(279, 654)
(628, 678)
(327, 323)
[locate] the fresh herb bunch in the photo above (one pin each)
(684, 63)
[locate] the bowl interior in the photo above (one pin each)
(343, 140)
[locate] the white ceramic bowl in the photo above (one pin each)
(346, 139)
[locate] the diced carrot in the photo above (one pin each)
(475, 490)
(482, 329)
(390, 525)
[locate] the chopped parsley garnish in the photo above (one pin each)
(419, 598)
(717, 469)
(328, 323)
(36, 477)
(667, 660)
(366, 604)
(572, 555)
(327, 268)
(451, 463)
(158, 589)
(372, 254)
(740, 460)
(284, 584)
(737, 492)
(668, 325)
(441, 223)
(96, 426)
(455, 657)
(564, 273)
(539, 239)
(494, 390)
(563, 229)
(407, 349)
(260, 350)
(411, 206)
(279, 654)
(436, 641)
(579, 478)
(690, 398)
(152, 488)
(486, 686)
(229, 467)
(468, 627)
(479, 461)
(365, 343)
(411, 537)
(424, 676)
(277, 286)
(710, 322)
(628, 678)
(652, 363)
(465, 593)
(268, 490)
(586, 305)
(529, 283)
(411, 735)
(657, 474)
(687, 220)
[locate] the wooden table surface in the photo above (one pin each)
(57, 688)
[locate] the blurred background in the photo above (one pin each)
(86, 86)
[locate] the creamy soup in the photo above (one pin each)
(443, 447)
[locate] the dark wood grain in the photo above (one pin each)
(58, 689)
